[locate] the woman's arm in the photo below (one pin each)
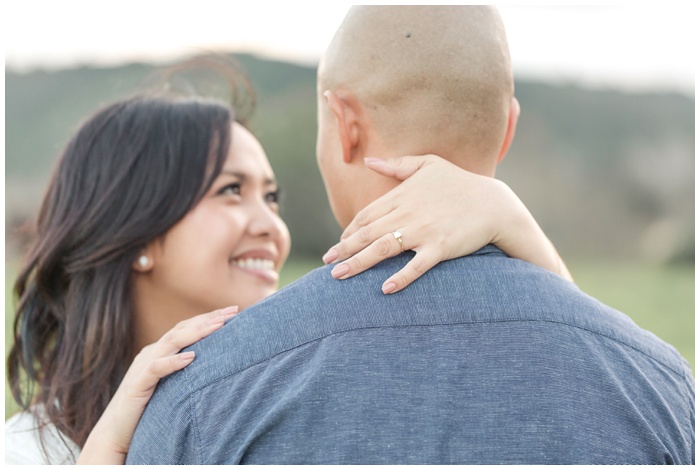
(459, 214)
(109, 441)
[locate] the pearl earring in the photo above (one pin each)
(143, 261)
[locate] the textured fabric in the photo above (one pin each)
(485, 359)
(23, 445)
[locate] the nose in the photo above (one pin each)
(265, 222)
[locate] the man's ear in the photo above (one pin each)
(343, 107)
(513, 116)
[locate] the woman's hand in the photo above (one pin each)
(442, 212)
(109, 441)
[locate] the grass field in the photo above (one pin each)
(660, 299)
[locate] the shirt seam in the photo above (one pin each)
(680, 374)
(199, 451)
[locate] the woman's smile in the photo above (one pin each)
(258, 263)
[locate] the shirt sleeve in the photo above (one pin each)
(166, 433)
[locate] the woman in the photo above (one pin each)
(161, 208)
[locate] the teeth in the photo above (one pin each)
(255, 263)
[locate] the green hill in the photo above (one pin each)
(606, 173)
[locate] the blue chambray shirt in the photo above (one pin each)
(484, 360)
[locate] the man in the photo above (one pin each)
(484, 359)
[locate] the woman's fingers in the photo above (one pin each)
(426, 217)
(161, 358)
(383, 248)
(400, 168)
(163, 366)
(362, 230)
(374, 211)
(415, 268)
(142, 384)
(192, 330)
(363, 238)
(380, 249)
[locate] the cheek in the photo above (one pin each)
(206, 232)
(222, 232)
(285, 242)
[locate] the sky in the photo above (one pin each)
(631, 46)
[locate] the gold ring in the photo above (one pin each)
(397, 236)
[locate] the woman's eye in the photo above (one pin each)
(273, 197)
(231, 189)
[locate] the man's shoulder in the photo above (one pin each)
(485, 288)
(488, 324)
(287, 319)
(309, 309)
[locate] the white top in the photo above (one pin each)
(23, 446)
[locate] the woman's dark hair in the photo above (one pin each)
(130, 173)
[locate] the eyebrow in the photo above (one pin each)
(243, 177)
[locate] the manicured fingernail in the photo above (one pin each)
(340, 270)
(187, 356)
(389, 287)
(232, 310)
(223, 315)
(372, 160)
(330, 256)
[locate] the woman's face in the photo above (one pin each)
(229, 249)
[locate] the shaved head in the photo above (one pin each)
(430, 79)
